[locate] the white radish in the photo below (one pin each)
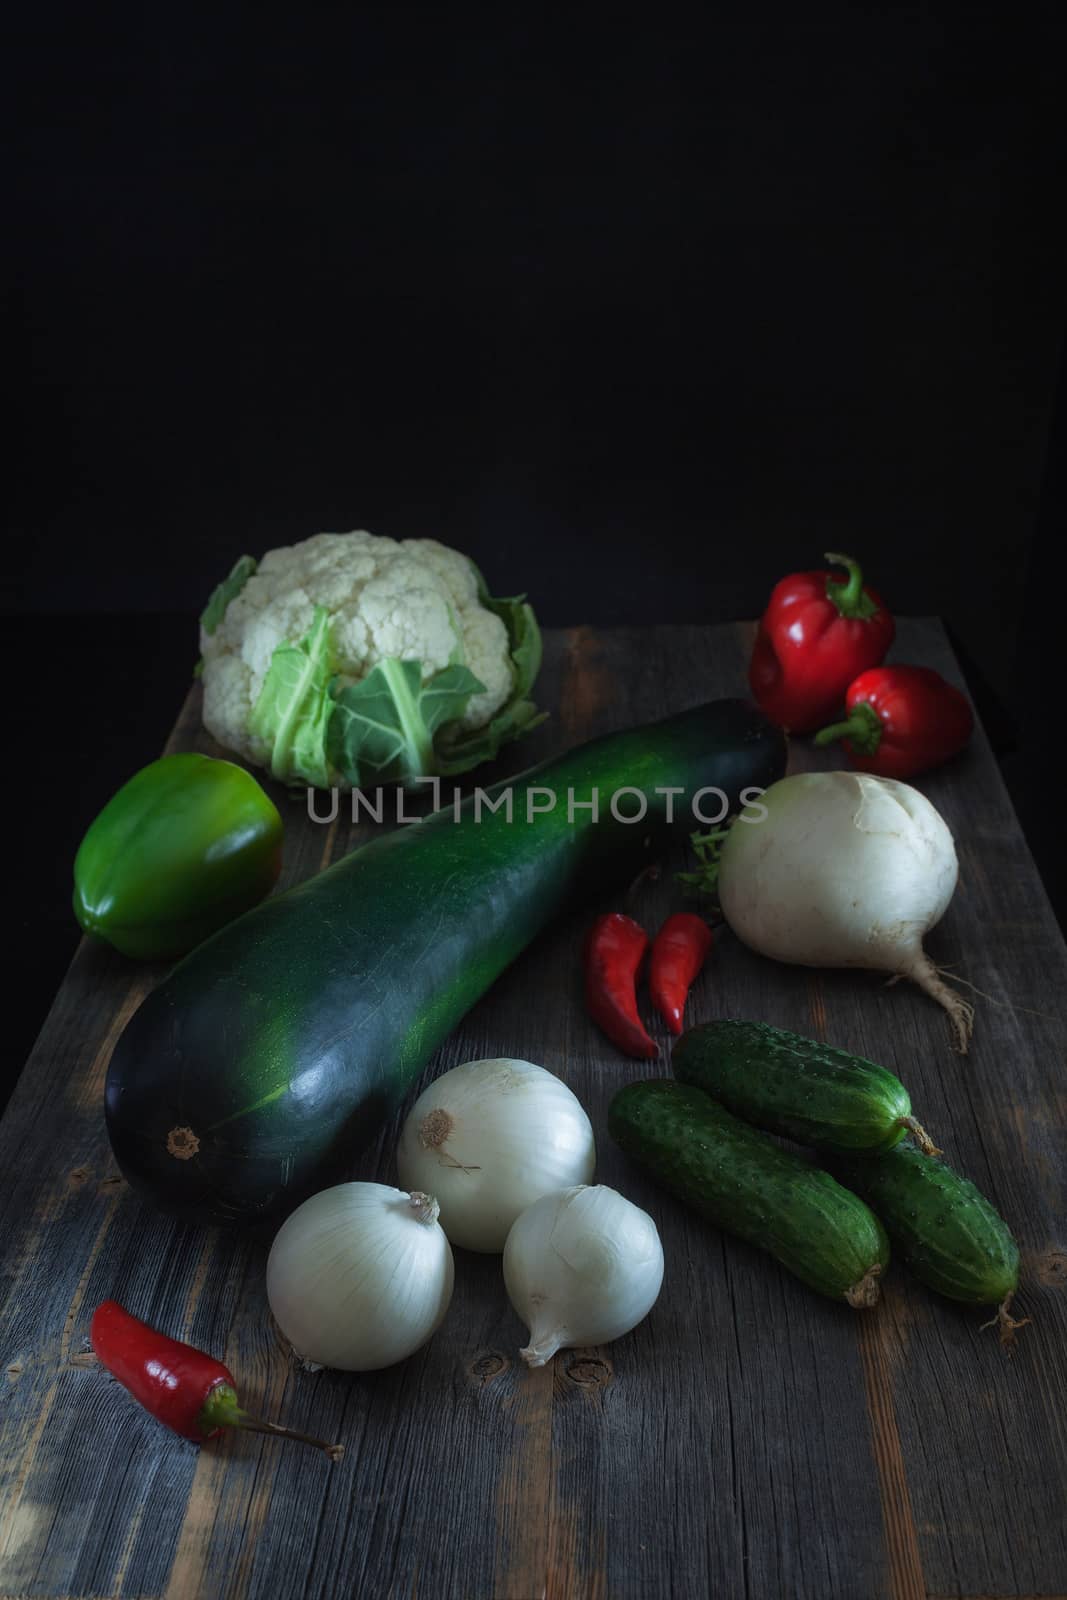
(843, 869)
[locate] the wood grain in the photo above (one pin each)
(878, 1347)
(748, 1439)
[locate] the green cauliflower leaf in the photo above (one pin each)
(227, 590)
(460, 749)
(292, 714)
(382, 728)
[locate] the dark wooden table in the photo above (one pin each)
(749, 1439)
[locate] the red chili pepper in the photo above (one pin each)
(189, 1391)
(901, 720)
(817, 633)
(679, 952)
(614, 952)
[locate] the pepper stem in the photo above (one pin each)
(849, 595)
(221, 1410)
(839, 730)
(863, 728)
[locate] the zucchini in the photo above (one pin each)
(945, 1229)
(278, 1048)
(797, 1087)
(746, 1184)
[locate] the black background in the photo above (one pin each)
(641, 316)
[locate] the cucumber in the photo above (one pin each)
(747, 1185)
(797, 1087)
(945, 1229)
(277, 1049)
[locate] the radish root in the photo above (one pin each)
(960, 1011)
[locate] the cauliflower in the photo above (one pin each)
(348, 658)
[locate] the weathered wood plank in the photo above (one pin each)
(747, 1439)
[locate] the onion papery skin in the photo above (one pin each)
(489, 1138)
(581, 1267)
(360, 1276)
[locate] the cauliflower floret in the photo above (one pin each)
(401, 612)
(485, 648)
(455, 572)
(484, 636)
(226, 704)
(414, 600)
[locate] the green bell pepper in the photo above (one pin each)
(184, 847)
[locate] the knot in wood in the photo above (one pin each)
(488, 1366)
(589, 1371)
(1052, 1269)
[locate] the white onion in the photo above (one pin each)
(845, 870)
(490, 1137)
(360, 1276)
(581, 1267)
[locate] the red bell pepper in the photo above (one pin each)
(818, 632)
(901, 720)
(192, 1393)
